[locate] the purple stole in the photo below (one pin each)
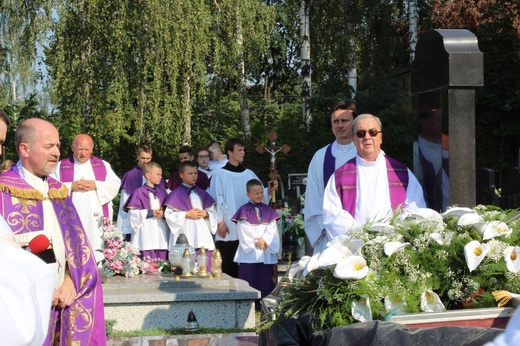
(21, 206)
(98, 166)
(249, 213)
(179, 198)
(346, 183)
(140, 198)
(329, 165)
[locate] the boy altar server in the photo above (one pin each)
(191, 210)
(258, 240)
(149, 229)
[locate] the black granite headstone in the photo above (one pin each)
(448, 66)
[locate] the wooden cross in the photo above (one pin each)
(273, 150)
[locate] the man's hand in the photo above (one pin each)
(272, 186)
(65, 295)
(83, 185)
(260, 242)
(196, 214)
(158, 213)
(222, 229)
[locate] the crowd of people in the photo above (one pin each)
(213, 199)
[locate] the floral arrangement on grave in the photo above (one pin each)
(122, 258)
(411, 263)
(294, 224)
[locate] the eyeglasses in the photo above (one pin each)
(371, 132)
(214, 150)
(203, 156)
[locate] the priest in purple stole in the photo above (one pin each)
(92, 185)
(323, 164)
(31, 201)
(370, 186)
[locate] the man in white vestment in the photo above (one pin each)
(370, 186)
(92, 185)
(218, 159)
(323, 164)
(228, 189)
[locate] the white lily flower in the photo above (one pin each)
(339, 239)
(430, 302)
(382, 228)
(353, 267)
(394, 246)
(426, 214)
(457, 212)
(333, 254)
(470, 219)
(312, 264)
(442, 240)
(512, 258)
(395, 304)
(298, 267)
(361, 310)
(474, 252)
(494, 229)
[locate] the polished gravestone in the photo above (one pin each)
(164, 301)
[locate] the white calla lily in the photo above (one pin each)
(457, 212)
(430, 302)
(298, 267)
(494, 229)
(442, 240)
(512, 258)
(393, 246)
(474, 252)
(382, 228)
(339, 239)
(395, 304)
(353, 267)
(333, 254)
(426, 214)
(361, 310)
(470, 219)
(312, 264)
(353, 245)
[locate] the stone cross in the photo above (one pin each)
(273, 149)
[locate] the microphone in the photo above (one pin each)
(40, 247)
(38, 244)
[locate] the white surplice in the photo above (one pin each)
(248, 252)
(372, 200)
(89, 204)
(149, 233)
(314, 228)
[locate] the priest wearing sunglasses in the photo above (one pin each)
(370, 186)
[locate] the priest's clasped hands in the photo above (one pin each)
(83, 185)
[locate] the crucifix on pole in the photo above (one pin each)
(273, 149)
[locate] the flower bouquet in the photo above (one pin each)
(121, 257)
(293, 224)
(420, 262)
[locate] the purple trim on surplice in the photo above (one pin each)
(329, 165)
(179, 198)
(247, 212)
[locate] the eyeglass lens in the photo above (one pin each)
(371, 132)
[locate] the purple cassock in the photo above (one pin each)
(247, 212)
(83, 322)
(140, 199)
(133, 179)
(346, 183)
(98, 166)
(179, 198)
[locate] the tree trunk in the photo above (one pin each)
(413, 17)
(242, 95)
(305, 61)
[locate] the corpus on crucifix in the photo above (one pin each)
(273, 149)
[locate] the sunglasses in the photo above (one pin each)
(371, 132)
